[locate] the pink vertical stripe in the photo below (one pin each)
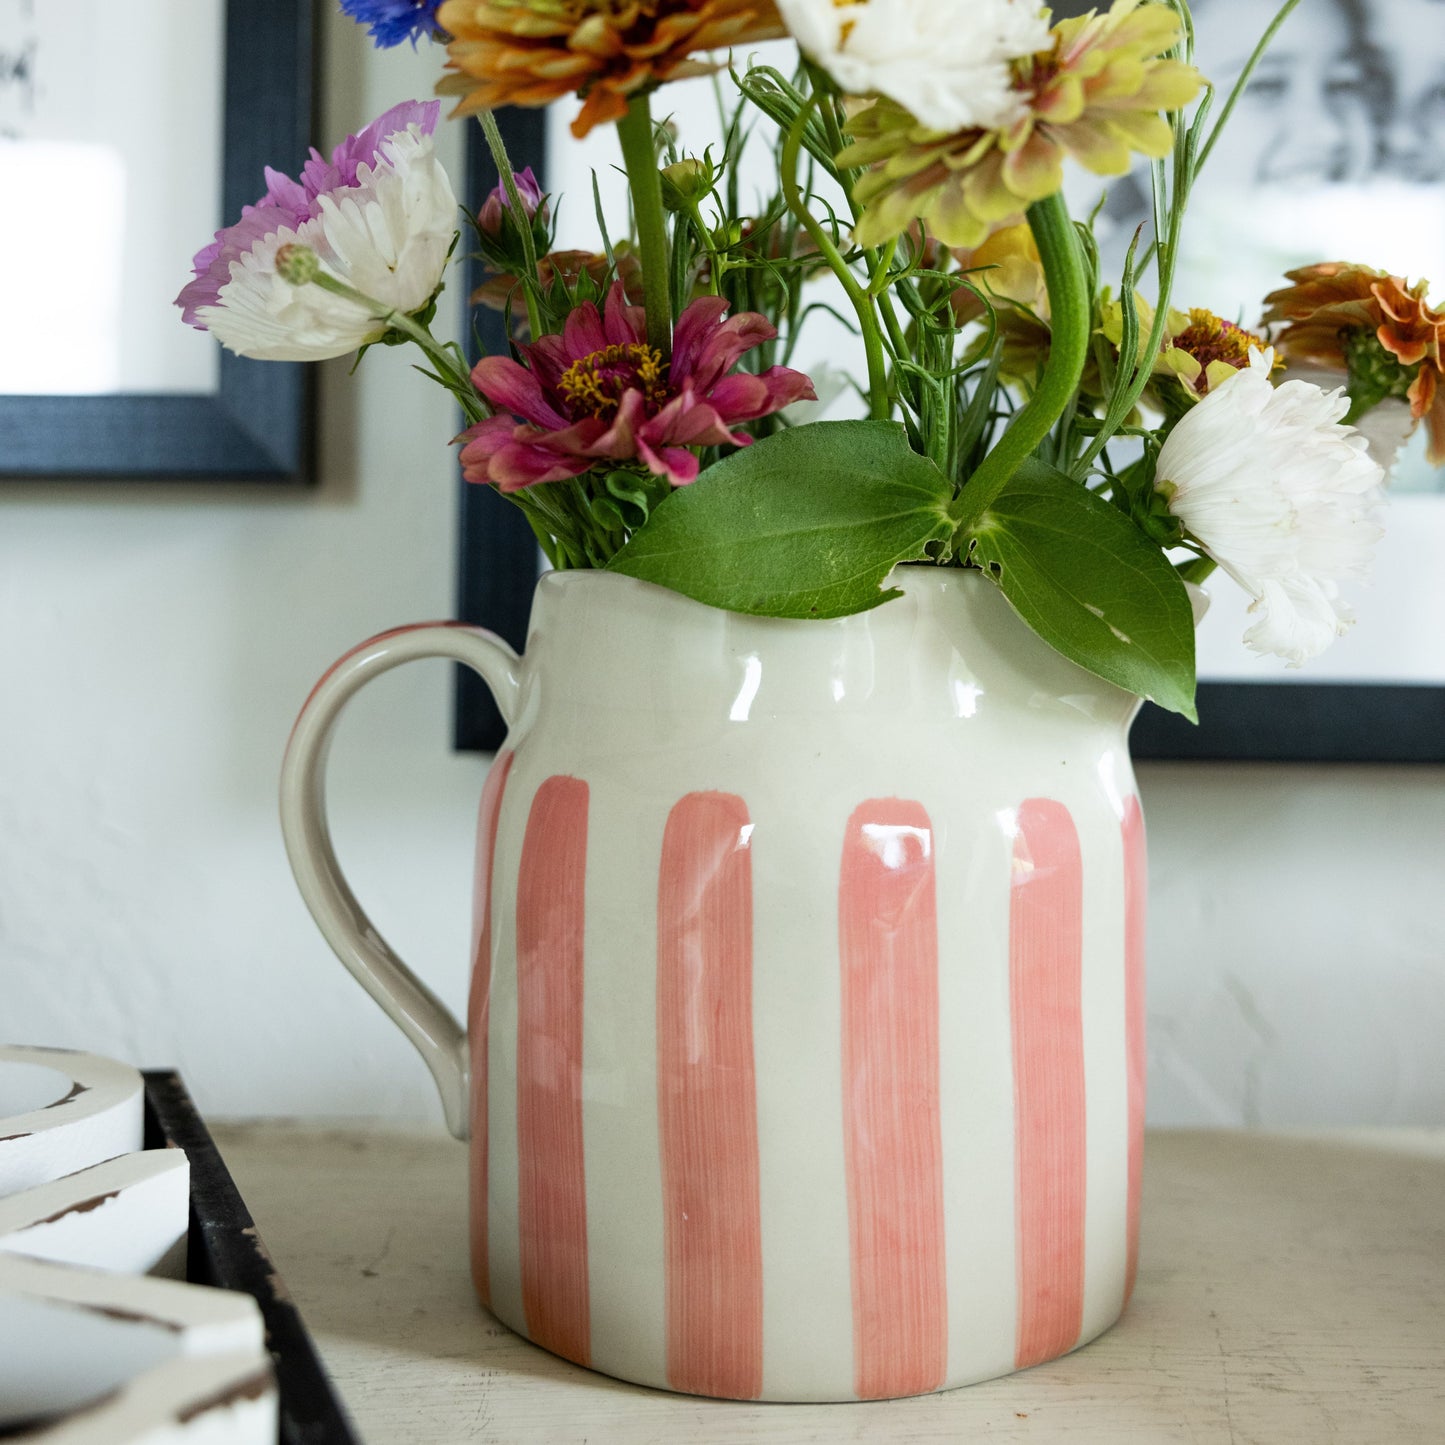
(1136, 899)
(1045, 978)
(888, 941)
(707, 1100)
(479, 1012)
(551, 1191)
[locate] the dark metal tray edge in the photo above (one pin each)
(226, 1252)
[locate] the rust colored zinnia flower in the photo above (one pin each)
(1096, 95)
(600, 393)
(566, 268)
(532, 52)
(1376, 327)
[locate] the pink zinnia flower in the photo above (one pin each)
(600, 393)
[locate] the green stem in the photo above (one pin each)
(1070, 312)
(503, 162)
(863, 303)
(1197, 570)
(456, 378)
(639, 155)
(880, 265)
(1167, 258)
(881, 282)
(716, 262)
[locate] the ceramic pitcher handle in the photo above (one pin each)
(410, 1004)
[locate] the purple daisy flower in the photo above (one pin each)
(288, 204)
(378, 216)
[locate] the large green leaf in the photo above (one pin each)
(1088, 581)
(805, 524)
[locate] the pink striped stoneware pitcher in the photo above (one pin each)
(805, 1056)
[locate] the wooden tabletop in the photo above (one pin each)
(1291, 1289)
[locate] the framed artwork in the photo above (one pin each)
(134, 130)
(1337, 151)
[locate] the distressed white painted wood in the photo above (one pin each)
(69, 1336)
(226, 1400)
(131, 1215)
(1291, 1291)
(93, 1351)
(61, 1111)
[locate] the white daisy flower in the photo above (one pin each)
(1282, 497)
(946, 63)
(381, 219)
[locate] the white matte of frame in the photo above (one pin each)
(114, 209)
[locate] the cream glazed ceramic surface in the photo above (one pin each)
(806, 1055)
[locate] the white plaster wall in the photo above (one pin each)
(155, 643)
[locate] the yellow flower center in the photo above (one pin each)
(594, 385)
(1208, 339)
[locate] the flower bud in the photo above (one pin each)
(297, 264)
(686, 182)
(529, 192)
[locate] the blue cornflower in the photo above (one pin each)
(393, 21)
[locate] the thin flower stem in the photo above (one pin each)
(1070, 309)
(863, 303)
(639, 155)
(880, 277)
(503, 163)
(453, 375)
(1166, 260)
(717, 263)
(1266, 40)
(880, 285)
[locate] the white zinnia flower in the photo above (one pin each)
(1281, 496)
(387, 236)
(947, 63)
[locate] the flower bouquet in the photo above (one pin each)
(817, 754)
(1088, 449)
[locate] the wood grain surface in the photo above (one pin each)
(1291, 1289)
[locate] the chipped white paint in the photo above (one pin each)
(94, 1348)
(222, 1400)
(130, 1215)
(69, 1337)
(69, 1111)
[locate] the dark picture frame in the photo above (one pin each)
(498, 559)
(1267, 722)
(257, 425)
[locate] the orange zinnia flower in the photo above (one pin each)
(532, 52)
(1376, 327)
